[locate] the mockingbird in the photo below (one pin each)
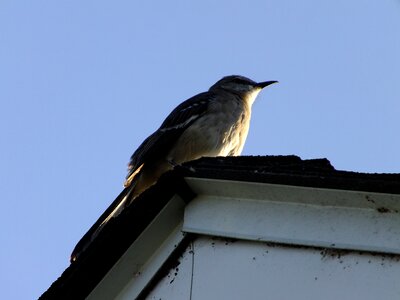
(213, 123)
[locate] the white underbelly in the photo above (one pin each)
(214, 135)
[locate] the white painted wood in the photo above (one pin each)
(295, 194)
(144, 257)
(255, 270)
(252, 269)
(295, 215)
(176, 284)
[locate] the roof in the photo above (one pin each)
(82, 276)
(291, 170)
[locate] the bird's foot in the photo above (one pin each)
(173, 163)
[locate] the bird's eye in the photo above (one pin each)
(240, 81)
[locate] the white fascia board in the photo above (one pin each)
(137, 266)
(295, 215)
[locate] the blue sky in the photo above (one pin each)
(83, 83)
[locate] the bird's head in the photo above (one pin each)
(242, 86)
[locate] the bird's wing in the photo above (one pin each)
(160, 142)
(153, 147)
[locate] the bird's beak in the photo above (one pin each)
(265, 83)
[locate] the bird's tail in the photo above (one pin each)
(117, 210)
(116, 207)
(136, 183)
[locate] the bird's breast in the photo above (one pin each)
(222, 131)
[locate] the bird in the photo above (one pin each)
(210, 124)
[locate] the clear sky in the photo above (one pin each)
(82, 83)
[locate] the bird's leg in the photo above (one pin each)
(173, 163)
